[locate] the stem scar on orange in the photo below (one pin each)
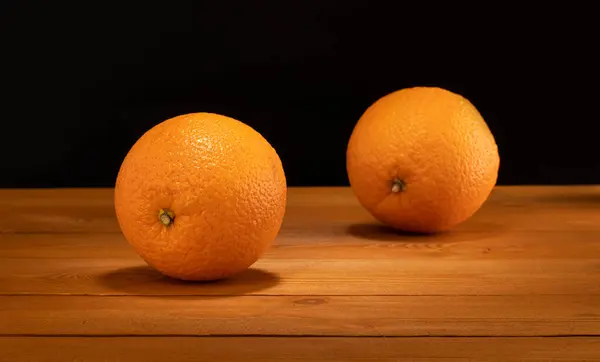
(201, 196)
(422, 159)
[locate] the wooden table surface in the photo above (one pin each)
(518, 281)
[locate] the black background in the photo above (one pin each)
(81, 82)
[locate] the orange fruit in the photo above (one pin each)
(422, 159)
(200, 196)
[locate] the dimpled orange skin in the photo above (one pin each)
(223, 182)
(439, 146)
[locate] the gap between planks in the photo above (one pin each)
(302, 336)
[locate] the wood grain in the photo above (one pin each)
(302, 316)
(367, 241)
(264, 349)
(57, 211)
(518, 281)
(309, 277)
(509, 208)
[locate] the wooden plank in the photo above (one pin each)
(510, 208)
(303, 276)
(410, 276)
(57, 211)
(527, 263)
(302, 316)
(337, 243)
(234, 349)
